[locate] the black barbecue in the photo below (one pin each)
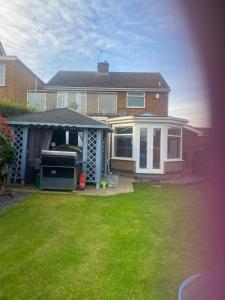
(59, 170)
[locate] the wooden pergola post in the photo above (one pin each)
(98, 157)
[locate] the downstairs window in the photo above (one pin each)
(174, 143)
(123, 142)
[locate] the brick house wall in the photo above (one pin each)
(155, 106)
(173, 167)
(158, 107)
(9, 90)
(127, 166)
(18, 79)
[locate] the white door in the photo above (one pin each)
(149, 150)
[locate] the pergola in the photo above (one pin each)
(93, 139)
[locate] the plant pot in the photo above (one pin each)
(113, 180)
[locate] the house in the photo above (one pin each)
(16, 78)
(145, 139)
(104, 93)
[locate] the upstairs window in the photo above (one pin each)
(2, 75)
(107, 103)
(135, 100)
(74, 100)
(61, 100)
(174, 143)
(101, 103)
(92, 103)
(36, 100)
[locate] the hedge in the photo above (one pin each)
(9, 109)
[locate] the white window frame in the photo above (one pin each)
(3, 79)
(181, 142)
(130, 106)
(126, 134)
(110, 93)
(37, 92)
(64, 94)
(79, 95)
(78, 99)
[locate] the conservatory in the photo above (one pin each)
(146, 144)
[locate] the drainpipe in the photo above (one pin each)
(35, 85)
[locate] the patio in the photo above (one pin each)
(125, 186)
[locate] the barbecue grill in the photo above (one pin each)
(59, 170)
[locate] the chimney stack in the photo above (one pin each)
(103, 67)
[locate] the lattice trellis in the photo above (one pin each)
(91, 155)
(17, 168)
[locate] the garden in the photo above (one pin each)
(137, 245)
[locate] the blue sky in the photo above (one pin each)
(149, 36)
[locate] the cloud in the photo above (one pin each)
(50, 34)
(37, 31)
(191, 104)
(136, 35)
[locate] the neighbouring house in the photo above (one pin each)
(103, 93)
(16, 78)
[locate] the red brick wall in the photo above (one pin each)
(129, 166)
(173, 166)
(9, 90)
(18, 79)
(25, 80)
(158, 107)
(123, 165)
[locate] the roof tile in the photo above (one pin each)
(61, 116)
(108, 80)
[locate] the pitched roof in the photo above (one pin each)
(65, 117)
(20, 63)
(112, 80)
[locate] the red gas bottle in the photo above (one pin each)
(82, 180)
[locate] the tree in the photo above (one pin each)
(7, 151)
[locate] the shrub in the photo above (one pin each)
(9, 109)
(7, 154)
(7, 151)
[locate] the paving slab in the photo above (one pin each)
(125, 186)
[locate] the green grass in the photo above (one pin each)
(130, 246)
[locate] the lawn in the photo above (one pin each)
(130, 246)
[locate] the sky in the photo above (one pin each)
(138, 36)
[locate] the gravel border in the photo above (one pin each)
(10, 199)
